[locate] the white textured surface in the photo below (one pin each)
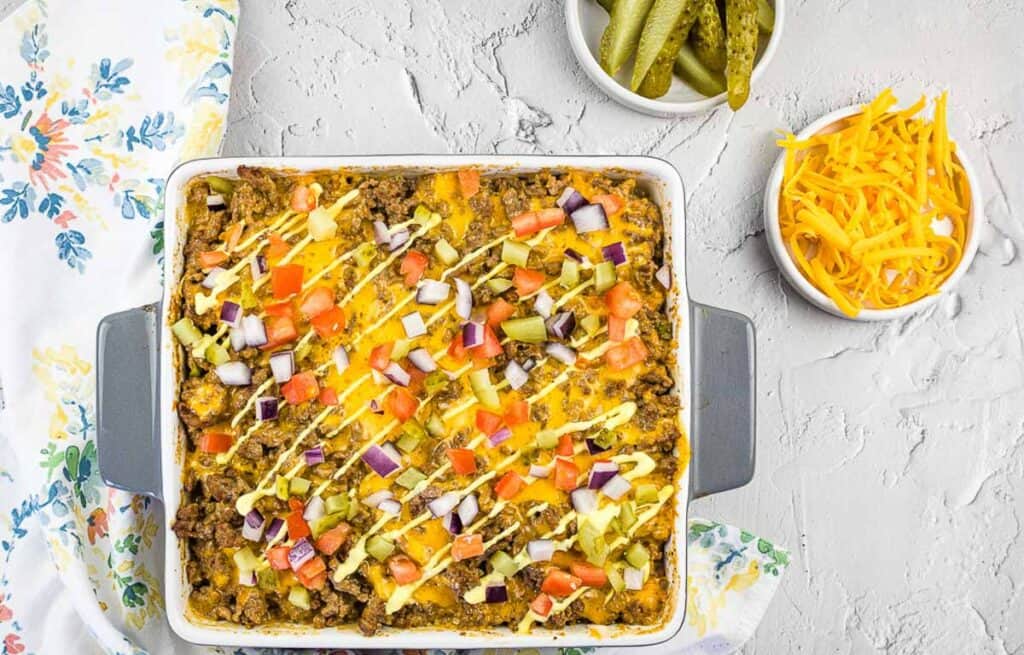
(890, 457)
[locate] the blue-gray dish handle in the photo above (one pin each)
(127, 398)
(723, 400)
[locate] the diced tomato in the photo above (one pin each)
(215, 442)
(509, 485)
(491, 347)
(589, 575)
(623, 300)
(463, 460)
(278, 558)
(403, 569)
(542, 605)
(297, 526)
(498, 311)
(280, 330)
(487, 422)
(525, 224)
(527, 281)
(416, 378)
(402, 404)
(518, 412)
(550, 217)
(303, 198)
(467, 545)
(560, 584)
(413, 265)
(616, 328)
(611, 203)
(317, 301)
(286, 280)
(233, 235)
(380, 356)
(283, 308)
(278, 247)
(456, 350)
(566, 474)
(329, 542)
(469, 182)
(312, 574)
(329, 323)
(301, 388)
(625, 355)
(295, 504)
(565, 446)
(328, 396)
(211, 258)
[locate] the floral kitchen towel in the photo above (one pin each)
(98, 101)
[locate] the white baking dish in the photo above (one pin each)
(136, 369)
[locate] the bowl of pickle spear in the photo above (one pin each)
(674, 57)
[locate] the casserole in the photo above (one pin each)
(721, 391)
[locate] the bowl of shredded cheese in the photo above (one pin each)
(872, 212)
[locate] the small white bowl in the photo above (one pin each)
(789, 268)
(585, 21)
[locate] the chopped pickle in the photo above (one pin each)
(528, 330)
(379, 548)
(217, 354)
(499, 284)
(605, 438)
(591, 323)
(365, 254)
(298, 486)
(483, 388)
(627, 516)
(637, 555)
(246, 560)
(247, 298)
(186, 332)
(410, 477)
(515, 253)
(646, 494)
(435, 381)
(604, 276)
(435, 426)
(503, 563)
(219, 184)
(615, 578)
(266, 578)
(446, 252)
(336, 504)
(546, 439)
(299, 597)
(407, 443)
(570, 274)
(281, 487)
(325, 523)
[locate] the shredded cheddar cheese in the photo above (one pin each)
(874, 209)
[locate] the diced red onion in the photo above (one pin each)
(584, 501)
(443, 504)
(266, 408)
(496, 593)
(468, 509)
(463, 299)
(246, 578)
(215, 202)
(231, 313)
(561, 324)
(423, 360)
(377, 497)
(314, 456)
(515, 375)
(529, 364)
(615, 253)
(255, 333)
(375, 407)
(500, 436)
(414, 325)
(616, 488)
(390, 506)
(381, 234)
(539, 472)
(211, 278)
(472, 334)
(234, 374)
(570, 200)
(589, 218)
(634, 578)
(314, 509)
(341, 360)
(432, 292)
(664, 276)
(252, 527)
(398, 239)
(544, 304)
(380, 461)
(593, 448)
(600, 473)
(259, 266)
(561, 352)
(452, 523)
(397, 374)
(300, 553)
(541, 550)
(392, 452)
(276, 525)
(576, 256)
(237, 336)
(282, 365)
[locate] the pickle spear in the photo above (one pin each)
(659, 76)
(622, 35)
(694, 73)
(740, 48)
(708, 36)
(665, 29)
(765, 16)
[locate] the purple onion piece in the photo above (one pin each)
(432, 292)
(561, 324)
(237, 336)
(252, 528)
(255, 333)
(423, 360)
(381, 234)
(634, 578)
(234, 374)
(259, 266)
(231, 313)
(397, 374)
(398, 239)
(390, 506)
(375, 407)
(515, 375)
(576, 256)
(541, 550)
(314, 456)
(539, 472)
(468, 509)
(616, 487)
(300, 553)
(589, 218)
(472, 334)
(414, 325)
(314, 509)
(615, 253)
(282, 365)
(600, 473)
(593, 448)
(529, 364)
(570, 200)
(341, 360)
(382, 463)
(544, 304)
(266, 408)
(210, 281)
(246, 578)
(496, 593)
(561, 352)
(463, 299)
(499, 437)
(377, 497)
(664, 276)
(584, 501)
(215, 202)
(452, 523)
(276, 525)
(443, 504)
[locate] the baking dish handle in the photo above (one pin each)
(127, 388)
(723, 400)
